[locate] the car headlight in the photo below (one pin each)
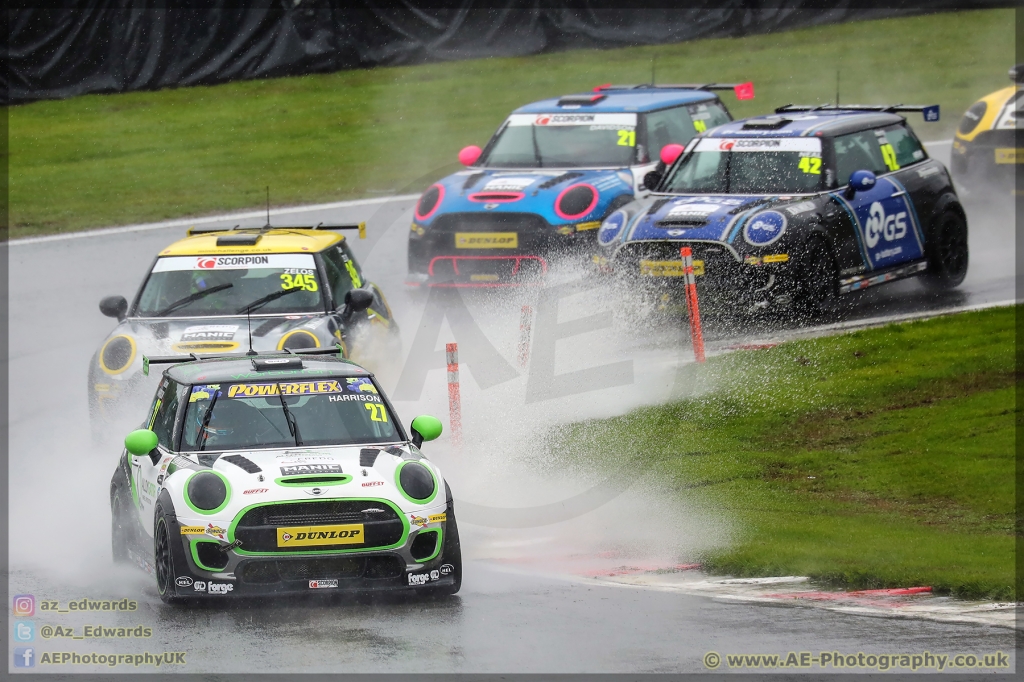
(207, 492)
(576, 201)
(117, 354)
(429, 202)
(416, 482)
(611, 228)
(972, 117)
(298, 338)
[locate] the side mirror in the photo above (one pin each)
(469, 155)
(860, 181)
(357, 300)
(114, 306)
(425, 427)
(671, 152)
(140, 442)
(651, 179)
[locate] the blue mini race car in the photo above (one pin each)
(548, 177)
(793, 210)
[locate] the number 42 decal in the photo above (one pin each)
(811, 164)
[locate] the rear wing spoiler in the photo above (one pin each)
(193, 357)
(930, 112)
(742, 90)
(331, 227)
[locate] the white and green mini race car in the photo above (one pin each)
(277, 474)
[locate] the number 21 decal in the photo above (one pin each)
(627, 138)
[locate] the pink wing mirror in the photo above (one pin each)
(469, 155)
(671, 152)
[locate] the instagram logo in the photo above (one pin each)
(24, 605)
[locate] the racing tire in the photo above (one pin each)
(817, 280)
(163, 557)
(947, 251)
(451, 554)
(121, 528)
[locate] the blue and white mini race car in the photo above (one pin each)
(548, 177)
(794, 209)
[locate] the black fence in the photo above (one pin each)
(124, 46)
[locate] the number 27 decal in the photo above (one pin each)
(377, 412)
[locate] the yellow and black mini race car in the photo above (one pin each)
(219, 291)
(987, 147)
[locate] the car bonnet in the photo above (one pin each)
(280, 475)
(527, 191)
(695, 217)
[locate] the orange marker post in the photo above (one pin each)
(691, 303)
(454, 400)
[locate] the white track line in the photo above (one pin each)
(145, 227)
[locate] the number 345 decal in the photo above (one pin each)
(300, 281)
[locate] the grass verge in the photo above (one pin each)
(881, 458)
(101, 160)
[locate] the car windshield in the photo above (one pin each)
(195, 286)
(563, 141)
(335, 411)
(748, 166)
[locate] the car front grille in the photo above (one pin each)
(257, 529)
(720, 277)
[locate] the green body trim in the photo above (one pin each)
(195, 554)
(131, 484)
(288, 481)
(204, 512)
(437, 549)
(398, 482)
(401, 541)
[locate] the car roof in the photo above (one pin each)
(625, 101)
(279, 240)
(805, 123)
(218, 370)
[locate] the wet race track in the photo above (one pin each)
(534, 537)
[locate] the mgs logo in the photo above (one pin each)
(879, 225)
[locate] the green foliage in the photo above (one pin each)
(880, 458)
(101, 160)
